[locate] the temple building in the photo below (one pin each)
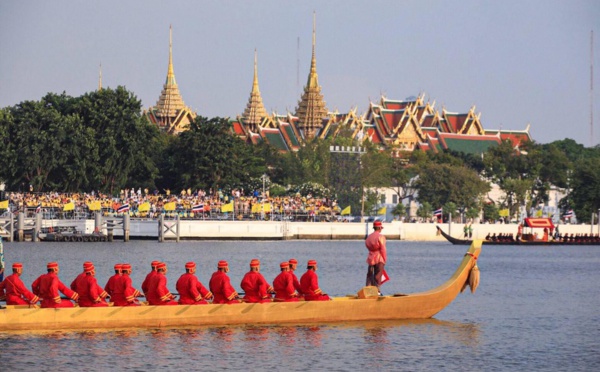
(170, 113)
(255, 110)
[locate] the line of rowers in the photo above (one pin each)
(85, 290)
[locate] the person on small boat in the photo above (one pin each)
(293, 265)
(49, 287)
(309, 282)
(284, 285)
(158, 293)
(113, 286)
(487, 237)
(14, 291)
(86, 285)
(376, 244)
(130, 294)
(220, 285)
(191, 291)
(146, 282)
(254, 284)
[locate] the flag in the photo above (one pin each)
(382, 211)
(4, 204)
(569, 214)
(124, 208)
(255, 208)
(38, 209)
(69, 206)
(170, 206)
(503, 212)
(198, 208)
(94, 206)
(539, 213)
(144, 207)
(267, 207)
(437, 212)
(347, 211)
(384, 276)
(227, 207)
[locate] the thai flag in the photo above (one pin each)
(124, 208)
(569, 214)
(198, 208)
(38, 209)
(437, 212)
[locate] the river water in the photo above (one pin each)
(537, 308)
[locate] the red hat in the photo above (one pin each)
(52, 265)
(17, 265)
(312, 263)
(284, 265)
(255, 262)
(154, 263)
(293, 261)
(223, 264)
(190, 265)
(87, 263)
(161, 265)
(118, 266)
(126, 267)
(88, 267)
(377, 224)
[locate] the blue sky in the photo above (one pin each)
(518, 62)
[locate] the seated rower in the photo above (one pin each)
(158, 294)
(49, 287)
(283, 285)
(310, 284)
(113, 286)
(130, 294)
(255, 285)
(13, 290)
(220, 286)
(146, 281)
(86, 285)
(191, 291)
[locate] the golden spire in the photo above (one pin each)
(255, 110)
(100, 78)
(311, 109)
(170, 72)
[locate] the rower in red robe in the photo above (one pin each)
(220, 285)
(131, 294)
(113, 286)
(49, 287)
(86, 285)
(255, 285)
(14, 291)
(284, 285)
(191, 291)
(293, 265)
(310, 284)
(158, 293)
(146, 281)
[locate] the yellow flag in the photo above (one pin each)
(170, 206)
(227, 207)
(539, 213)
(255, 208)
(267, 207)
(503, 213)
(144, 207)
(69, 206)
(346, 211)
(382, 211)
(94, 206)
(4, 204)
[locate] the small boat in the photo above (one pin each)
(362, 307)
(69, 234)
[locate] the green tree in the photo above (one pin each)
(585, 193)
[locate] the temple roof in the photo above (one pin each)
(255, 109)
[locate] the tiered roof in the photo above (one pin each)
(255, 109)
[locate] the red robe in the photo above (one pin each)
(296, 282)
(284, 287)
(158, 294)
(90, 293)
(220, 286)
(14, 291)
(310, 287)
(191, 291)
(48, 287)
(256, 287)
(113, 287)
(146, 282)
(129, 292)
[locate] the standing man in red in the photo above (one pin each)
(293, 265)
(131, 294)
(377, 257)
(113, 286)
(191, 291)
(86, 285)
(146, 281)
(48, 287)
(310, 284)
(158, 294)
(14, 291)
(284, 285)
(220, 285)
(255, 285)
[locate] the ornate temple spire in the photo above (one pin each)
(170, 104)
(100, 79)
(255, 110)
(311, 109)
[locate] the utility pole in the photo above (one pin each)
(592, 88)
